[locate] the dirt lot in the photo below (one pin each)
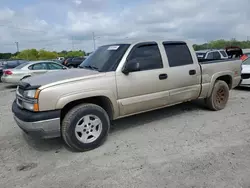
(181, 146)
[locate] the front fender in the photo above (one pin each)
(66, 99)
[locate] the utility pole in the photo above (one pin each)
(93, 35)
(247, 38)
(17, 46)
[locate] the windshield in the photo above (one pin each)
(105, 58)
(246, 62)
(22, 65)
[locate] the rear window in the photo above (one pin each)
(200, 55)
(22, 65)
(223, 53)
(178, 54)
(10, 64)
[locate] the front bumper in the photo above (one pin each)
(38, 124)
(245, 80)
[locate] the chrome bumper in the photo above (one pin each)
(43, 129)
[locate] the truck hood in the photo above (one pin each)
(53, 77)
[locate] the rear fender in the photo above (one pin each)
(215, 77)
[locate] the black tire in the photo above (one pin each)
(70, 121)
(71, 66)
(219, 96)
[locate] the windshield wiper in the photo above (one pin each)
(89, 67)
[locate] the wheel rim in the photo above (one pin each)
(88, 129)
(221, 96)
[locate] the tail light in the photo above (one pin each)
(7, 72)
(65, 62)
(244, 57)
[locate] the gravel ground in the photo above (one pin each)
(181, 146)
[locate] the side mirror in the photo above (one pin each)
(131, 66)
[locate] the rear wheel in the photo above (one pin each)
(219, 96)
(71, 66)
(85, 127)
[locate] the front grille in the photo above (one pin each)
(245, 76)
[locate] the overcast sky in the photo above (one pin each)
(66, 24)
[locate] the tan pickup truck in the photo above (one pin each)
(116, 81)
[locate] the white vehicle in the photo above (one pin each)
(29, 69)
(245, 73)
(211, 54)
(60, 58)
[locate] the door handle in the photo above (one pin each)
(192, 72)
(163, 76)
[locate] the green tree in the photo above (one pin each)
(43, 55)
(30, 54)
(75, 53)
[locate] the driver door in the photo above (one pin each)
(143, 89)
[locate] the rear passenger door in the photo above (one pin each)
(38, 68)
(184, 76)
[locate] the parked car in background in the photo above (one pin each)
(245, 73)
(9, 64)
(29, 69)
(211, 54)
(73, 62)
(117, 81)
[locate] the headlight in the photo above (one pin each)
(32, 94)
(28, 99)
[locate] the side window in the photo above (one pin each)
(148, 56)
(39, 66)
(178, 54)
(53, 66)
(217, 55)
(210, 55)
(223, 53)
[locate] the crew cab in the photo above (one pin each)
(116, 81)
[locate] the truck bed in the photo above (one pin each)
(209, 61)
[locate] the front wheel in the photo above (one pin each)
(85, 127)
(219, 96)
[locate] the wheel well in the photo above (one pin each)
(27, 76)
(227, 79)
(101, 101)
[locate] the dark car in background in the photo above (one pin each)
(9, 64)
(73, 62)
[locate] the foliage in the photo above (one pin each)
(43, 55)
(221, 44)
(75, 54)
(33, 54)
(5, 55)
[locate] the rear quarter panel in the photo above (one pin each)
(212, 71)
